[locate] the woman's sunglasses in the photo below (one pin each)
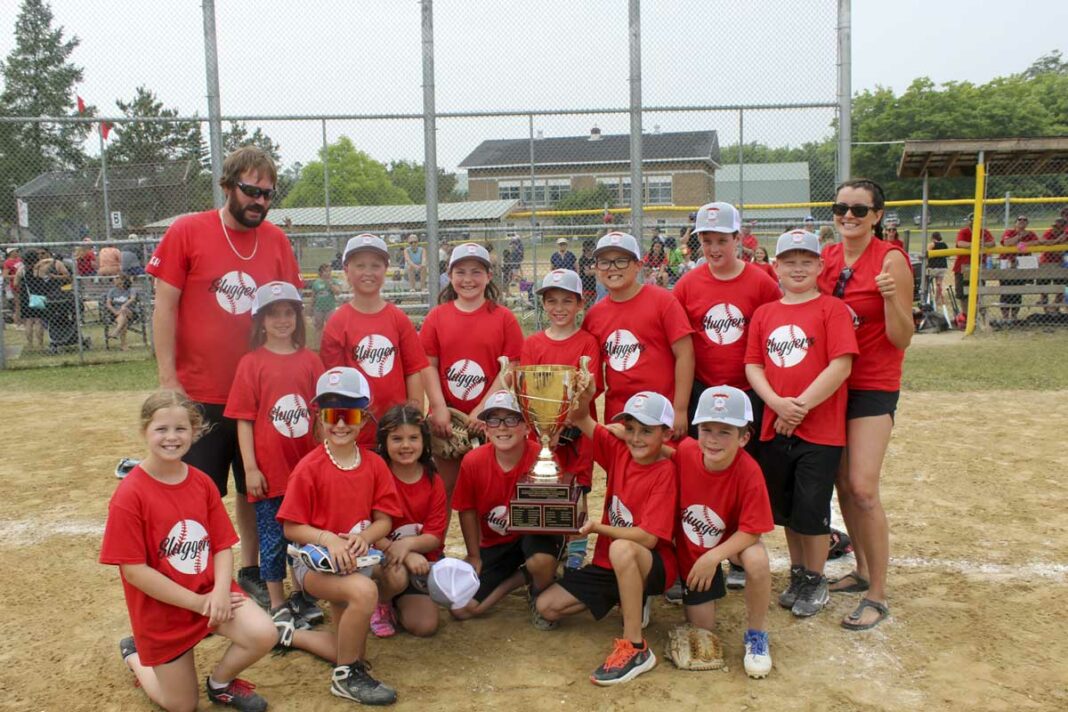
(843, 278)
(350, 416)
(859, 211)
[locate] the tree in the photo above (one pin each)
(38, 81)
(153, 141)
(1050, 63)
(819, 155)
(410, 177)
(596, 198)
(355, 179)
(237, 136)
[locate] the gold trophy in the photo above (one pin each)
(547, 501)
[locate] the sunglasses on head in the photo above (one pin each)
(843, 278)
(349, 416)
(254, 191)
(859, 211)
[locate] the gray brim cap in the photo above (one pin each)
(648, 408)
(717, 217)
(365, 241)
(345, 382)
(470, 251)
(724, 404)
(565, 279)
(501, 400)
(618, 241)
(275, 292)
(797, 240)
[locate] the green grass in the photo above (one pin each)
(125, 376)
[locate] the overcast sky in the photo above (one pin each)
(364, 56)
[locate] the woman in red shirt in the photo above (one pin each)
(874, 279)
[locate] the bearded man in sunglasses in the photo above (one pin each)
(207, 268)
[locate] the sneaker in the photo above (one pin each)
(239, 695)
(305, 609)
(646, 609)
(125, 466)
(537, 619)
(248, 578)
(797, 577)
(284, 623)
(674, 594)
(354, 682)
(735, 577)
(813, 595)
(127, 647)
(757, 657)
(624, 663)
(383, 624)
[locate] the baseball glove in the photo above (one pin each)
(692, 648)
(459, 444)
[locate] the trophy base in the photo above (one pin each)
(546, 508)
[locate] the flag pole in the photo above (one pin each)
(104, 179)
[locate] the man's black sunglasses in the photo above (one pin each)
(859, 211)
(843, 277)
(254, 191)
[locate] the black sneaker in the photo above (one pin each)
(735, 577)
(284, 623)
(127, 647)
(797, 577)
(306, 609)
(354, 682)
(813, 595)
(674, 594)
(624, 663)
(248, 578)
(239, 695)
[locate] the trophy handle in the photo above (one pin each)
(580, 384)
(506, 372)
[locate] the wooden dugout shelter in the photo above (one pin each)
(944, 158)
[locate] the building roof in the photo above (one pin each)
(942, 158)
(570, 150)
(370, 216)
(87, 181)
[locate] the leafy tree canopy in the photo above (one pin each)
(153, 141)
(355, 179)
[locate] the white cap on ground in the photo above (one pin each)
(452, 583)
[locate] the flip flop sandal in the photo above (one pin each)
(860, 586)
(884, 613)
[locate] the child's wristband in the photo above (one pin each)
(319, 539)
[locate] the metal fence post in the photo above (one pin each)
(845, 91)
(78, 315)
(104, 181)
(533, 222)
(741, 164)
(326, 183)
(3, 322)
(1008, 207)
(636, 192)
(211, 67)
(430, 152)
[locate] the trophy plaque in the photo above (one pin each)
(547, 501)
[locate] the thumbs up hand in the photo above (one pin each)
(885, 283)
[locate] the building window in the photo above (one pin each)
(658, 190)
(508, 189)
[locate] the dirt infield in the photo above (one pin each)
(974, 487)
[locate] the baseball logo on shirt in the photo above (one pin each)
(497, 519)
(622, 349)
(234, 292)
(186, 547)
(788, 345)
(414, 529)
(375, 354)
(466, 379)
(724, 324)
(618, 514)
(360, 526)
(290, 417)
(855, 317)
(702, 525)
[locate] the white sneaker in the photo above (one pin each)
(757, 654)
(645, 611)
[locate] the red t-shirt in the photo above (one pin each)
(336, 500)
(878, 367)
(636, 338)
(485, 487)
(214, 310)
(719, 311)
(384, 346)
(769, 269)
(965, 235)
(423, 511)
(11, 266)
(273, 391)
(1050, 258)
(794, 343)
(577, 457)
(642, 496)
(176, 530)
(1026, 237)
(715, 505)
(749, 245)
(466, 345)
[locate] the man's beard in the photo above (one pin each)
(250, 216)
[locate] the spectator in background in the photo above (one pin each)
(513, 262)
(131, 263)
(109, 262)
(335, 264)
(1017, 236)
(1056, 235)
(893, 237)
(760, 259)
(27, 283)
(749, 241)
(563, 258)
(827, 236)
(810, 224)
(654, 265)
(936, 266)
(121, 307)
(85, 258)
(676, 260)
(415, 263)
(324, 298)
(964, 241)
(11, 291)
(588, 272)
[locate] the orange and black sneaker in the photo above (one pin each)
(624, 663)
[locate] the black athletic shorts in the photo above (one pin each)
(753, 446)
(800, 477)
(501, 561)
(865, 404)
(596, 587)
(216, 452)
(716, 591)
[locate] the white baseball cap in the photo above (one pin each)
(452, 583)
(275, 292)
(565, 279)
(648, 408)
(797, 240)
(503, 399)
(345, 382)
(618, 241)
(724, 404)
(470, 251)
(365, 241)
(717, 217)
(562, 241)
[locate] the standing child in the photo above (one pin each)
(377, 338)
(168, 533)
(418, 533)
(633, 558)
(643, 332)
(463, 336)
(564, 343)
(799, 356)
(269, 399)
(324, 298)
(488, 476)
